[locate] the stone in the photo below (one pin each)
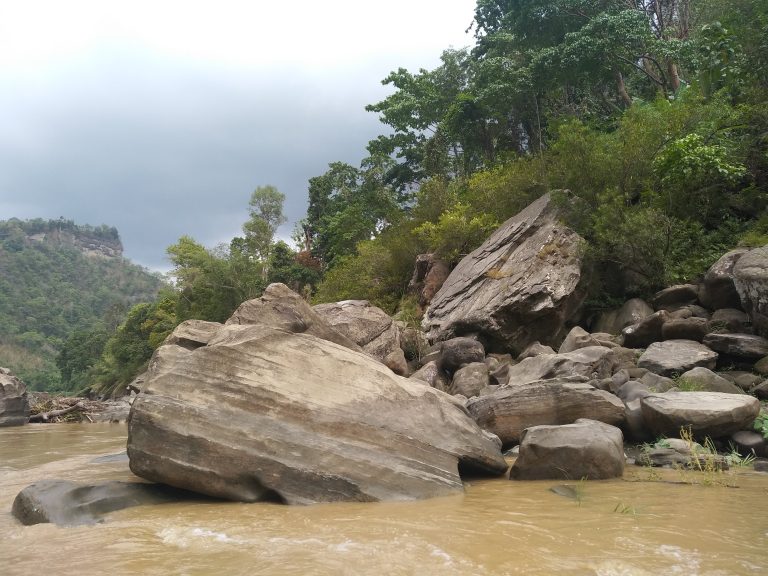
(470, 380)
(704, 380)
(633, 390)
(631, 312)
(280, 307)
(459, 352)
(718, 289)
(577, 338)
(760, 465)
(511, 409)
(521, 285)
(750, 277)
(657, 383)
(750, 442)
(645, 332)
(396, 362)
(262, 413)
(192, 334)
(366, 325)
(585, 449)
(429, 274)
(677, 295)
(670, 457)
(413, 342)
(761, 366)
(66, 503)
(535, 349)
(634, 424)
(760, 390)
(673, 357)
(741, 346)
(14, 404)
(731, 320)
(593, 362)
(712, 414)
(691, 328)
(744, 380)
(432, 375)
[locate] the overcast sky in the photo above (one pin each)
(160, 117)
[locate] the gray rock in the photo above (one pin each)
(66, 503)
(614, 321)
(744, 380)
(761, 366)
(742, 346)
(366, 325)
(577, 338)
(534, 349)
(731, 320)
(750, 276)
(645, 332)
(718, 289)
(634, 423)
(14, 404)
(589, 363)
(760, 465)
(470, 380)
(657, 383)
(520, 286)
(673, 357)
(585, 449)
(760, 390)
(691, 328)
(704, 380)
(192, 334)
(668, 457)
(429, 274)
(458, 352)
(678, 295)
(431, 374)
(712, 414)
(396, 362)
(261, 413)
(749, 442)
(511, 409)
(633, 390)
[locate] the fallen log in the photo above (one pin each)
(46, 416)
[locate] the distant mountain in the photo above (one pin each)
(57, 277)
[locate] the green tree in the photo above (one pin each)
(265, 216)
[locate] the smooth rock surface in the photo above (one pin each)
(511, 409)
(750, 276)
(712, 414)
(577, 338)
(470, 380)
(14, 404)
(673, 357)
(718, 289)
(520, 286)
(585, 449)
(631, 312)
(593, 362)
(366, 325)
(743, 346)
(262, 413)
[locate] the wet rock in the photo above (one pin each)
(470, 380)
(712, 414)
(66, 503)
(577, 338)
(262, 413)
(704, 380)
(520, 286)
(742, 346)
(511, 409)
(585, 449)
(14, 404)
(673, 357)
(645, 332)
(718, 289)
(593, 362)
(750, 276)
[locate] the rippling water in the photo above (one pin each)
(637, 525)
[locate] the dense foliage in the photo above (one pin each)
(58, 279)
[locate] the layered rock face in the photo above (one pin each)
(261, 413)
(519, 287)
(14, 406)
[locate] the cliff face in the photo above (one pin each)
(89, 243)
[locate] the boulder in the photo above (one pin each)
(741, 346)
(692, 328)
(396, 362)
(614, 321)
(534, 349)
(14, 404)
(520, 286)
(431, 374)
(750, 443)
(742, 379)
(673, 357)
(66, 503)
(760, 390)
(674, 296)
(458, 352)
(750, 276)
(470, 380)
(589, 363)
(645, 332)
(366, 325)
(718, 289)
(585, 449)
(712, 414)
(511, 409)
(429, 274)
(263, 413)
(761, 366)
(731, 320)
(634, 423)
(704, 380)
(192, 334)
(577, 338)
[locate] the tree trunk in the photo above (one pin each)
(674, 75)
(622, 88)
(46, 416)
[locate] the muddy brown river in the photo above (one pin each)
(646, 523)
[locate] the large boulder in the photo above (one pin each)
(14, 405)
(712, 414)
(520, 286)
(673, 357)
(741, 346)
(67, 503)
(261, 413)
(718, 289)
(366, 325)
(577, 338)
(585, 449)
(592, 362)
(509, 410)
(429, 274)
(280, 307)
(704, 380)
(631, 312)
(646, 331)
(750, 276)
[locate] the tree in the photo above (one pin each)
(266, 215)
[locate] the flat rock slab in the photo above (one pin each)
(592, 362)
(66, 503)
(260, 413)
(746, 346)
(713, 414)
(511, 409)
(673, 357)
(585, 449)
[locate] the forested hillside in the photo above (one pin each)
(58, 278)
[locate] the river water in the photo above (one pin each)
(647, 523)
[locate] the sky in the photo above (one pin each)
(161, 117)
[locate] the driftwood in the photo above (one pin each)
(46, 416)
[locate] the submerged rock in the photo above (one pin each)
(261, 413)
